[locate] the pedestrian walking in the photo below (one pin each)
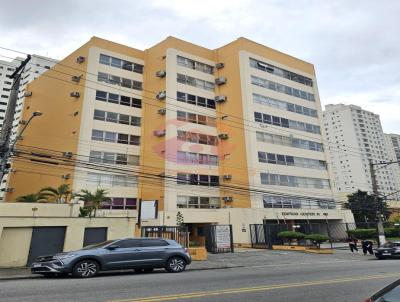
(353, 244)
(369, 245)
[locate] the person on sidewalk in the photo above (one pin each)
(367, 247)
(353, 244)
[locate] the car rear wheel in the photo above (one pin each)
(85, 269)
(176, 265)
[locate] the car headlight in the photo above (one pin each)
(65, 256)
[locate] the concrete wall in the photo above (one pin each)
(17, 221)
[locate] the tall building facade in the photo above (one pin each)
(36, 66)
(356, 138)
(231, 135)
(393, 152)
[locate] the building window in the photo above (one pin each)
(274, 201)
(286, 123)
(122, 64)
(116, 118)
(271, 102)
(282, 88)
(111, 180)
(119, 203)
(113, 137)
(184, 79)
(192, 158)
(182, 61)
(289, 160)
(197, 179)
(281, 72)
(198, 202)
(116, 80)
(197, 138)
(118, 99)
(195, 100)
(294, 181)
(196, 118)
(113, 158)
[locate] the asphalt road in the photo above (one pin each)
(343, 278)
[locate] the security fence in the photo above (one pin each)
(266, 235)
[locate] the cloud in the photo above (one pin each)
(355, 46)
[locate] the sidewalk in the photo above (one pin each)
(241, 258)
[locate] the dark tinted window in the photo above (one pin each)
(128, 243)
(154, 242)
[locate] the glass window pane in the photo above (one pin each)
(116, 62)
(126, 101)
(137, 103)
(113, 98)
(134, 140)
(104, 59)
(135, 121)
(97, 135)
(123, 138)
(127, 65)
(124, 119)
(101, 95)
(110, 137)
(99, 115)
(112, 117)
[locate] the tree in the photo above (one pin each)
(35, 197)
(92, 201)
(61, 194)
(364, 207)
(179, 219)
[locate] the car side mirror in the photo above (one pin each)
(112, 247)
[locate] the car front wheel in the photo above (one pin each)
(85, 269)
(176, 265)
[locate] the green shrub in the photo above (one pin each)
(317, 238)
(363, 233)
(392, 232)
(290, 235)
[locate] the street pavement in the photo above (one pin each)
(247, 275)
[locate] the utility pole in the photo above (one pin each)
(5, 150)
(381, 231)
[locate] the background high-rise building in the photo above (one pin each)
(355, 138)
(231, 135)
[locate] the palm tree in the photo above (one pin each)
(35, 197)
(93, 201)
(61, 194)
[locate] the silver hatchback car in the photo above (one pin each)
(140, 254)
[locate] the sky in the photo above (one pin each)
(354, 45)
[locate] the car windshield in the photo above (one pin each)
(391, 296)
(97, 245)
(389, 244)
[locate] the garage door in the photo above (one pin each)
(46, 241)
(94, 235)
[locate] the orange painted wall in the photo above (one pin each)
(58, 128)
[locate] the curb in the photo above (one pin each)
(26, 277)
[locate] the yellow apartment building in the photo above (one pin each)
(225, 136)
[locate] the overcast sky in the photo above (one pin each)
(354, 45)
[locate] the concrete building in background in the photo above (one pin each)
(356, 137)
(230, 135)
(36, 66)
(393, 151)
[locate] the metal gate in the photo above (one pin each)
(258, 236)
(46, 241)
(179, 234)
(94, 235)
(219, 238)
